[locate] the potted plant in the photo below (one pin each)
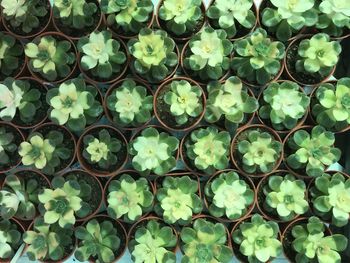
(127, 18)
(283, 105)
(310, 240)
(129, 103)
(10, 139)
(204, 241)
(329, 106)
(102, 150)
(256, 239)
(206, 56)
(205, 149)
(285, 19)
(237, 18)
(310, 151)
(178, 198)
(52, 57)
(102, 57)
(282, 197)
(229, 196)
(19, 194)
(75, 104)
(25, 18)
(153, 150)
(11, 239)
(256, 150)
(76, 18)
(151, 240)
(258, 59)
(230, 104)
(128, 196)
(181, 19)
(48, 242)
(12, 59)
(312, 60)
(330, 195)
(179, 103)
(100, 239)
(154, 55)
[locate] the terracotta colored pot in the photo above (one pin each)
(89, 167)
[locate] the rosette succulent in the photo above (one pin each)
(229, 195)
(207, 56)
(178, 199)
(8, 147)
(205, 242)
(154, 54)
(153, 151)
(257, 58)
(129, 198)
(52, 58)
(10, 239)
(11, 55)
(74, 103)
(312, 152)
(258, 239)
(284, 104)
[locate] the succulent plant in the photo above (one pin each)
(11, 53)
(10, 239)
(153, 151)
(205, 242)
(178, 199)
(129, 198)
(229, 195)
(258, 239)
(284, 105)
(8, 146)
(312, 152)
(257, 58)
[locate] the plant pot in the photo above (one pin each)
(14, 158)
(187, 35)
(162, 110)
(122, 155)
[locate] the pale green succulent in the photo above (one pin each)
(11, 53)
(8, 147)
(10, 101)
(10, 239)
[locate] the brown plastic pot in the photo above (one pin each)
(88, 167)
(235, 143)
(164, 85)
(20, 137)
(249, 181)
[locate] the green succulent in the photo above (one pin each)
(154, 54)
(285, 196)
(98, 240)
(178, 200)
(130, 104)
(153, 151)
(101, 55)
(332, 105)
(11, 55)
(208, 54)
(75, 104)
(257, 58)
(312, 152)
(258, 239)
(330, 196)
(129, 198)
(286, 18)
(153, 243)
(128, 16)
(184, 101)
(230, 101)
(311, 244)
(229, 195)
(207, 149)
(181, 16)
(10, 239)
(231, 15)
(205, 242)
(284, 105)
(53, 59)
(8, 147)
(258, 151)
(102, 150)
